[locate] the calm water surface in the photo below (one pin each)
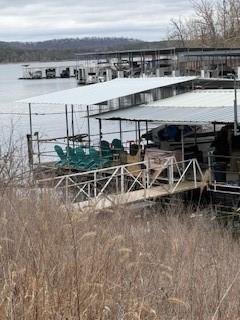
(51, 122)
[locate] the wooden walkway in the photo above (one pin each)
(134, 196)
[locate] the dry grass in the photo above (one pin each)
(55, 265)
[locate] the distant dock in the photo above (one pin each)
(51, 70)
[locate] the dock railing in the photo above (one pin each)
(224, 173)
(124, 179)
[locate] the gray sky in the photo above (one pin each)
(26, 20)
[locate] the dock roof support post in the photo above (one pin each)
(88, 123)
(73, 131)
(30, 118)
(120, 129)
(139, 134)
(67, 128)
(136, 131)
(182, 142)
(147, 132)
(195, 135)
(100, 130)
(29, 139)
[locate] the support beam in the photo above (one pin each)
(29, 139)
(89, 132)
(182, 142)
(147, 131)
(100, 136)
(73, 131)
(100, 130)
(120, 129)
(67, 126)
(30, 119)
(139, 134)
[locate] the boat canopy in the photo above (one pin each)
(197, 107)
(97, 93)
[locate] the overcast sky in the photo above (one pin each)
(46, 19)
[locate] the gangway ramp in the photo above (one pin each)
(135, 196)
(128, 183)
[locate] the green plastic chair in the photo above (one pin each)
(62, 156)
(71, 155)
(106, 151)
(83, 160)
(117, 145)
(98, 162)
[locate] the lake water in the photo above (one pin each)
(51, 122)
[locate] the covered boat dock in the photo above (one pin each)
(216, 110)
(181, 108)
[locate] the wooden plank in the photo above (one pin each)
(134, 196)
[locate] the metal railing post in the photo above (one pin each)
(148, 174)
(67, 192)
(122, 179)
(170, 172)
(95, 183)
(117, 189)
(89, 190)
(144, 181)
(194, 173)
(210, 166)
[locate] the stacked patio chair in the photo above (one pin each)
(76, 158)
(99, 161)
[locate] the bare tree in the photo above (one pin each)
(215, 23)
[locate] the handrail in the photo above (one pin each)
(92, 171)
(146, 163)
(123, 179)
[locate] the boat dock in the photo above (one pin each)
(51, 70)
(158, 62)
(126, 184)
(91, 171)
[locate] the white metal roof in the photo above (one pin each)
(200, 98)
(200, 107)
(100, 92)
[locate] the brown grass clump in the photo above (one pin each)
(59, 265)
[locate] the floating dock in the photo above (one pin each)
(49, 71)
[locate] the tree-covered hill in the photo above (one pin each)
(61, 49)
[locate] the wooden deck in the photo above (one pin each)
(134, 196)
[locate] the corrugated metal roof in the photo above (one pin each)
(200, 98)
(100, 92)
(184, 115)
(200, 107)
